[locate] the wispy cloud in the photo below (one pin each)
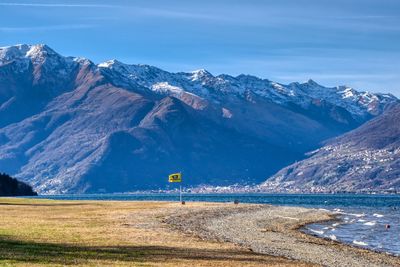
(137, 10)
(54, 5)
(46, 28)
(157, 12)
(365, 17)
(336, 76)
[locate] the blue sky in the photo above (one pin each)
(353, 42)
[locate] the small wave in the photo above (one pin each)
(360, 243)
(377, 215)
(338, 210)
(335, 224)
(323, 209)
(370, 223)
(356, 214)
(331, 237)
(316, 231)
(361, 220)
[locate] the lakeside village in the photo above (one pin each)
(238, 188)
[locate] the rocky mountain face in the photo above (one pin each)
(68, 125)
(365, 159)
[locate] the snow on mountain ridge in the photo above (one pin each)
(9, 53)
(36, 52)
(200, 74)
(201, 82)
(166, 87)
(39, 54)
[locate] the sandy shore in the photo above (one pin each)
(275, 231)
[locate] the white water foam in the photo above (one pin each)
(316, 231)
(323, 209)
(360, 243)
(333, 237)
(338, 210)
(356, 214)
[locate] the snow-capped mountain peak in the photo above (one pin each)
(110, 64)
(202, 83)
(200, 74)
(10, 53)
(38, 54)
(40, 50)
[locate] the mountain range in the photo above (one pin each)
(68, 125)
(365, 159)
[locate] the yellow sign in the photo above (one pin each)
(175, 178)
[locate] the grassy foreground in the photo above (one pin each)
(100, 233)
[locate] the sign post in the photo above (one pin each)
(176, 178)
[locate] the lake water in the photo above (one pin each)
(363, 218)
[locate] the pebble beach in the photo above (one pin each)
(276, 231)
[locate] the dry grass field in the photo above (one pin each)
(101, 233)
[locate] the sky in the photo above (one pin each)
(334, 42)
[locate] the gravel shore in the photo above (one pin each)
(273, 230)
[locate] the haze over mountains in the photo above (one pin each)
(68, 125)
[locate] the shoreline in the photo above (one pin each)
(113, 233)
(264, 230)
(160, 233)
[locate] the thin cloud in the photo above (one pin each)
(151, 12)
(176, 14)
(54, 5)
(46, 28)
(373, 17)
(338, 76)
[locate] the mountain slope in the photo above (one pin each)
(367, 158)
(68, 125)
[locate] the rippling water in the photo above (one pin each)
(364, 227)
(363, 217)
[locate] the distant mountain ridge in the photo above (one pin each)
(365, 159)
(69, 125)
